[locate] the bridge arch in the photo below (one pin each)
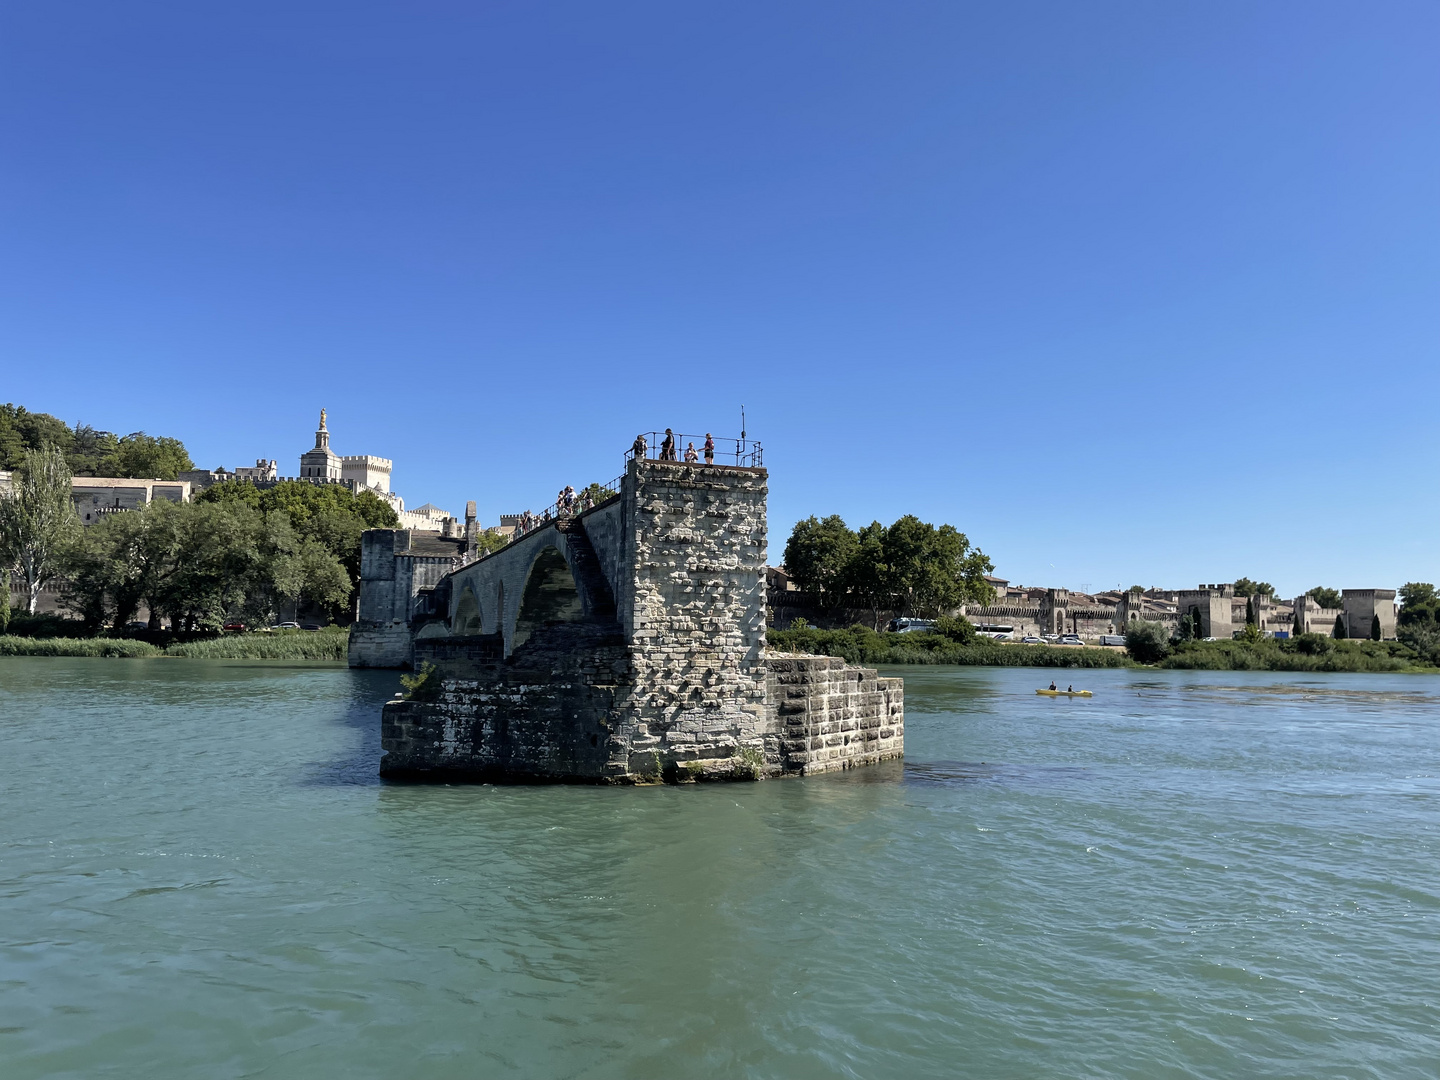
(467, 617)
(550, 596)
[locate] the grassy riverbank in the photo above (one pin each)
(327, 644)
(860, 645)
(1307, 653)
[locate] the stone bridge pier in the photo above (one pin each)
(622, 645)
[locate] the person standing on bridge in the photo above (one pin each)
(709, 449)
(638, 450)
(691, 457)
(667, 446)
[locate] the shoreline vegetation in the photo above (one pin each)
(326, 645)
(861, 645)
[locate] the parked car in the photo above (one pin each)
(136, 627)
(285, 626)
(233, 627)
(1112, 639)
(309, 626)
(1070, 639)
(1031, 639)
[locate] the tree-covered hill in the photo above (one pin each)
(89, 452)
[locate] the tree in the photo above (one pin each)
(486, 542)
(4, 599)
(1247, 588)
(1250, 619)
(148, 457)
(37, 520)
(328, 514)
(1375, 628)
(1186, 631)
(933, 570)
(1339, 632)
(1147, 642)
(867, 576)
(818, 554)
(598, 493)
(958, 629)
(1326, 598)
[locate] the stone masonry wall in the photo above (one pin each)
(826, 715)
(694, 611)
(676, 687)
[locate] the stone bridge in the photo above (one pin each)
(624, 644)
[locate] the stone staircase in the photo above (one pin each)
(585, 566)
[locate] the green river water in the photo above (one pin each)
(1190, 875)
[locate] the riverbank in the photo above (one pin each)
(859, 645)
(1307, 653)
(327, 644)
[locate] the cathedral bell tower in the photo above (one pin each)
(320, 463)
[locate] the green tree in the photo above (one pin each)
(147, 457)
(958, 629)
(818, 554)
(90, 450)
(22, 431)
(1250, 619)
(4, 599)
(867, 575)
(1147, 642)
(1246, 587)
(327, 514)
(932, 570)
(1375, 628)
(37, 519)
(1339, 632)
(487, 542)
(1326, 598)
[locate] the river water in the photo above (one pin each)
(1190, 875)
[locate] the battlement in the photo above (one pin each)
(368, 460)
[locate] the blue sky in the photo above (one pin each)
(1130, 293)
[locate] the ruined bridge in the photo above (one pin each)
(624, 644)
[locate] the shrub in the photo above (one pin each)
(28, 646)
(327, 644)
(1313, 644)
(424, 685)
(1147, 642)
(958, 629)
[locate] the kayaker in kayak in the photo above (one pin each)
(1072, 689)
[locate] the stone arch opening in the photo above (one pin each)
(467, 613)
(550, 596)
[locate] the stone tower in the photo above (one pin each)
(321, 463)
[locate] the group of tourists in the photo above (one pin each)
(568, 503)
(668, 449)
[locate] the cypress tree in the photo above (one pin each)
(1339, 628)
(1250, 612)
(1375, 629)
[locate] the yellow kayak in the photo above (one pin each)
(1065, 693)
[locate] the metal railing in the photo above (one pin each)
(587, 498)
(728, 451)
